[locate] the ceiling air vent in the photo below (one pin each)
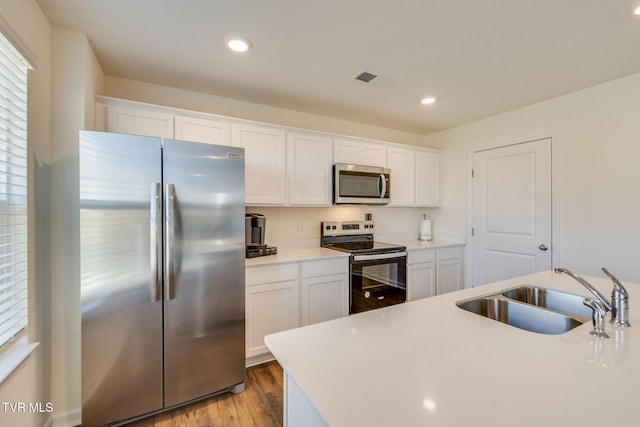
(365, 77)
(371, 79)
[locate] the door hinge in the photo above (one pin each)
(473, 231)
(473, 173)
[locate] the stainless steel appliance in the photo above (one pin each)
(356, 184)
(255, 225)
(378, 271)
(162, 273)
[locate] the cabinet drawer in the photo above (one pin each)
(325, 267)
(271, 274)
(420, 255)
(449, 253)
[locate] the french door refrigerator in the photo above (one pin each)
(162, 273)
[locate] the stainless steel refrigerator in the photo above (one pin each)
(162, 273)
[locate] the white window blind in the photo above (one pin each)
(13, 194)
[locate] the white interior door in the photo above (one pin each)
(511, 211)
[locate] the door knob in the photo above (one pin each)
(543, 247)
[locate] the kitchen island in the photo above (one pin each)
(429, 362)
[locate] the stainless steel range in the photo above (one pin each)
(377, 270)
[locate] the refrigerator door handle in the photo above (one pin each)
(155, 233)
(169, 242)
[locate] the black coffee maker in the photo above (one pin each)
(254, 229)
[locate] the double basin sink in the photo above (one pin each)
(532, 308)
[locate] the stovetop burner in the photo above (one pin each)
(354, 237)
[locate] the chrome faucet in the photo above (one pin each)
(619, 301)
(619, 305)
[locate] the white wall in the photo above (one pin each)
(30, 383)
(596, 141)
(76, 77)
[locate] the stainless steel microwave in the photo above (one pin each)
(357, 184)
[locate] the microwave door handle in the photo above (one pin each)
(383, 190)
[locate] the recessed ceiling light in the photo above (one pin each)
(637, 11)
(427, 101)
(239, 44)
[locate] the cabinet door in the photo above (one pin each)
(270, 308)
(360, 153)
(202, 130)
(402, 165)
(139, 122)
(449, 275)
(421, 280)
(346, 151)
(325, 298)
(264, 163)
(449, 269)
(374, 154)
(427, 179)
(309, 169)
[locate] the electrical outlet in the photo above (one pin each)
(301, 228)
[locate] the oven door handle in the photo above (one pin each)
(372, 257)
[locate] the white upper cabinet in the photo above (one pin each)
(309, 169)
(283, 167)
(402, 177)
(414, 176)
(202, 130)
(139, 122)
(265, 168)
(359, 152)
(427, 178)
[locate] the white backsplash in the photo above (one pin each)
(299, 227)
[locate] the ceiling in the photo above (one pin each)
(478, 58)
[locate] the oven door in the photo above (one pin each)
(377, 280)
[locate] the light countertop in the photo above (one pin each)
(295, 255)
(307, 254)
(432, 244)
(429, 362)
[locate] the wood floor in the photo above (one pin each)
(259, 405)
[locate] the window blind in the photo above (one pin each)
(13, 194)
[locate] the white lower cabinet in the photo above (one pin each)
(434, 271)
(271, 304)
(284, 296)
(449, 269)
(421, 274)
(325, 290)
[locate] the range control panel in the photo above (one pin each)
(346, 228)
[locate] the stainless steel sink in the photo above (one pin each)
(532, 308)
(551, 299)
